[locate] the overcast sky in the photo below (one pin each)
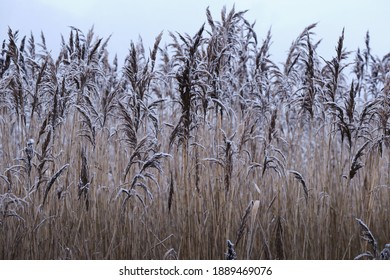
(127, 20)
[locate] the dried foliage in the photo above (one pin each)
(367, 235)
(176, 149)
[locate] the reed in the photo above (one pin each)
(192, 144)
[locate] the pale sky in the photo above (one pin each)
(127, 20)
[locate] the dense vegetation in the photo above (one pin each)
(191, 144)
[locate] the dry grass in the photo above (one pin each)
(191, 145)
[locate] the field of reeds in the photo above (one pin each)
(195, 144)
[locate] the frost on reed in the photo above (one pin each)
(367, 235)
(200, 139)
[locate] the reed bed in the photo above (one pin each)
(202, 148)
